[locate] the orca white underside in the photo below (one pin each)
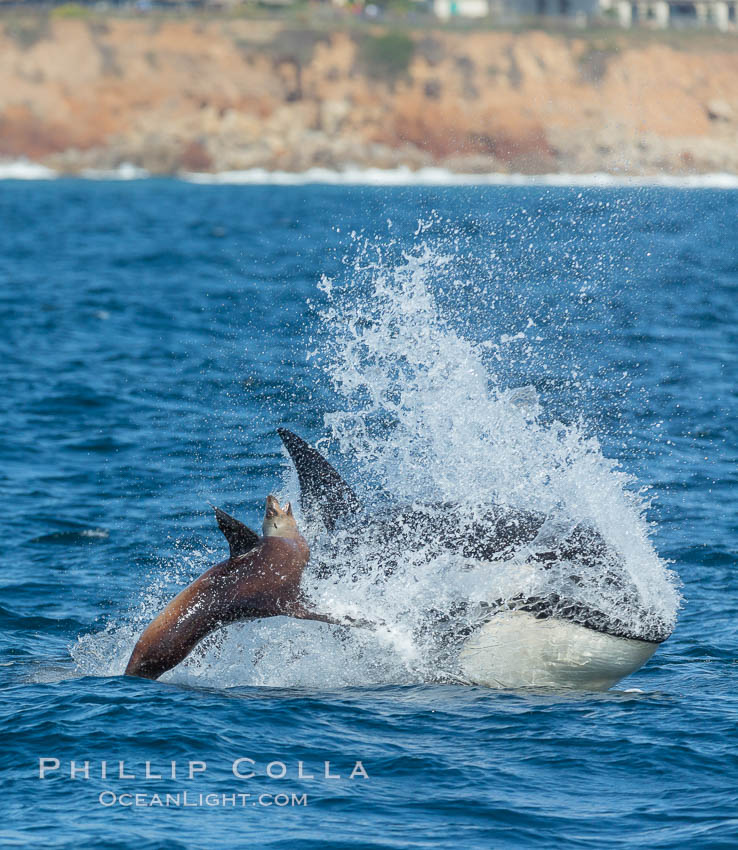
(515, 650)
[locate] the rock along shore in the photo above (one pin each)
(218, 94)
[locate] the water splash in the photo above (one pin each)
(418, 352)
(106, 653)
(423, 414)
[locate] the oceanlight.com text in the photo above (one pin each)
(190, 799)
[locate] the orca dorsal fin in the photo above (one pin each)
(322, 490)
(240, 537)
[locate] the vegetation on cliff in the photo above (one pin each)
(223, 93)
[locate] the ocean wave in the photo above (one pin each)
(22, 169)
(124, 171)
(402, 176)
(443, 177)
(86, 535)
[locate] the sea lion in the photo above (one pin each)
(261, 578)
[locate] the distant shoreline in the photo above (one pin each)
(213, 94)
(28, 171)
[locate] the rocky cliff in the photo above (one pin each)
(218, 94)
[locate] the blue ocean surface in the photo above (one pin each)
(155, 334)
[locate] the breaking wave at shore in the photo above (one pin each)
(23, 169)
(444, 177)
(403, 176)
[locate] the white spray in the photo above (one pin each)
(421, 415)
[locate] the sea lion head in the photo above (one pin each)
(279, 522)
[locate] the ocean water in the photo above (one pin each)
(567, 349)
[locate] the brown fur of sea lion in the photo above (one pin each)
(263, 582)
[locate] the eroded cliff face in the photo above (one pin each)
(234, 94)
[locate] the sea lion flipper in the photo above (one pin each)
(321, 488)
(240, 537)
(301, 612)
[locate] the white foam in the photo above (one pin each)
(125, 171)
(404, 176)
(22, 169)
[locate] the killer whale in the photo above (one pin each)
(564, 642)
